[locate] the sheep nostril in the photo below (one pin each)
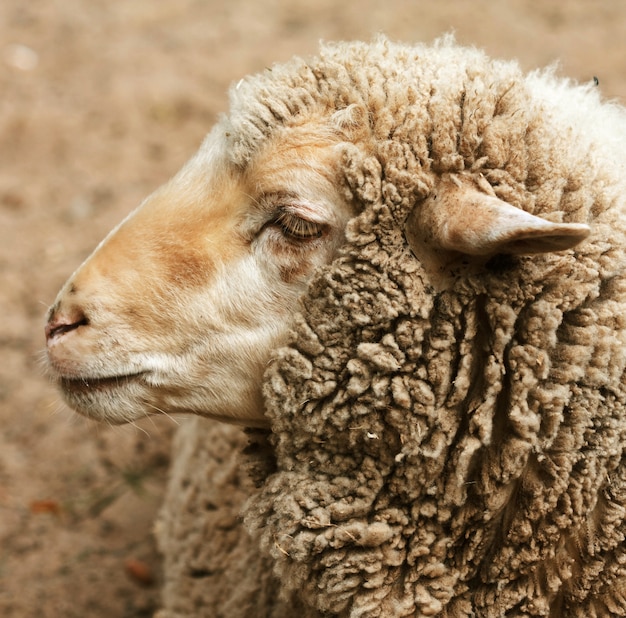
(60, 324)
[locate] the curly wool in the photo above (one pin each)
(458, 451)
(207, 553)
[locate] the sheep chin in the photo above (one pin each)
(114, 400)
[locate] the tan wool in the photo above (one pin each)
(446, 438)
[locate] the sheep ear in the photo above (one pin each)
(462, 219)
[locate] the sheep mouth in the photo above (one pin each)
(89, 385)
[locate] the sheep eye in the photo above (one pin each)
(296, 228)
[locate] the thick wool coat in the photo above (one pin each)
(437, 450)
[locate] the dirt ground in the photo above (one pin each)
(100, 102)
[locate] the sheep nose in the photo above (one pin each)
(61, 322)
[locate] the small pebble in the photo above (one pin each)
(21, 57)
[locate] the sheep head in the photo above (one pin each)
(179, 309)
(182, 306)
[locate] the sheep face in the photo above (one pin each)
(180, 307)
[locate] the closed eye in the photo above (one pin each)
(296, 228)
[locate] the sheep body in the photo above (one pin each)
(442, 448)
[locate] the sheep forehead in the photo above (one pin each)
(299, 159)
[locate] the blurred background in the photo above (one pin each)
(100, 102)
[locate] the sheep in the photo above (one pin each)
(398, 272)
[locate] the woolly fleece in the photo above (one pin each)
(454, 451)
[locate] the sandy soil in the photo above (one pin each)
(99, 103)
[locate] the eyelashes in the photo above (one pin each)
(295, 228)
(292, 219)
